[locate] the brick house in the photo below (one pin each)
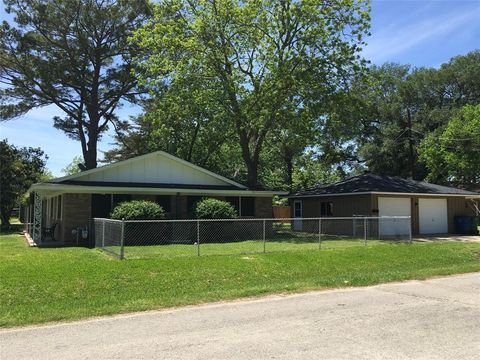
(71, 202)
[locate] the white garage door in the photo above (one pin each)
(388, 206)
(433, 216)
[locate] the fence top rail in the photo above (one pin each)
(106, 219)
(262, 219)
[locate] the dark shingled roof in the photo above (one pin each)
(377, 183)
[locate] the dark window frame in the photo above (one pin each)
(326, 208)
(247, 206)
(165, 201)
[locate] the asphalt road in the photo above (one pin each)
(434, 319)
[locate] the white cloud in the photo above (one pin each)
(401, 36)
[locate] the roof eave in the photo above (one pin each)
(382, 193)
(52, 189)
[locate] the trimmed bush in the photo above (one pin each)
(138, 210)
(214, 209)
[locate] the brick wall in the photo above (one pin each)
(76, 213)
(263, 207)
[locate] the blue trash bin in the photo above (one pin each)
(465, 225)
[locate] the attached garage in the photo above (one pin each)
(432, 207)
(394, 206)
(433, 216)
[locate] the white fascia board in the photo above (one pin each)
(56, 189)
(382, 193)
(161, 153)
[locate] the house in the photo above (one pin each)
(71, 202)
(432, 207)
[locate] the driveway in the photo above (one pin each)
(433, 319)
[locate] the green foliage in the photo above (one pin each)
(214, 209)
(209, 58)
(73, 167)
(138, 210)
(279, 201)
(71, 54)
(310, 170)
(396, 107)
(19, 168)
(454, 153)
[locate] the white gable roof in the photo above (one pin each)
(156, 167)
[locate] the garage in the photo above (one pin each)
(433, 216)
(432, 208)
(394, 206)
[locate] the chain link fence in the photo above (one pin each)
(173, 238)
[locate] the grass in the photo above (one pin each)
(241, 247)
(13, 221)
(40, 285)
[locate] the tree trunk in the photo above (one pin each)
(289, 163)
(90, 154)
(252, 173)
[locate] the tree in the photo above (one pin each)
(396, 107)
(264, 57)
(454, 153)
(182, 122)
(310, 171)
(20, 168)
(74, 54)
(74, 167)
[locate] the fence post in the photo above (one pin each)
(122, 241)
(103, 234)
(365, 230)
(198, 237)
(319, 234)
(264, 239)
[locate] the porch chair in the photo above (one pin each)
(49, 232)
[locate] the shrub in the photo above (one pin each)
(214, 209)
(138, 210)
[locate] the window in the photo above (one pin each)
(235, 202)
(101, 205)
(247, 206)
(191, 203)
(52, 208)
(165, 202)
(326, 209)
(59, 207)
(244, 205)
(119, 198)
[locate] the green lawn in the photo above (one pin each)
(241, 247)
(40, 285)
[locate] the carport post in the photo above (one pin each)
(122, 241)
(198, 237)
(319, 234)
(365, 230)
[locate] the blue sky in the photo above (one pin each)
(421, 33)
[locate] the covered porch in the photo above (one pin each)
(61, 214)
